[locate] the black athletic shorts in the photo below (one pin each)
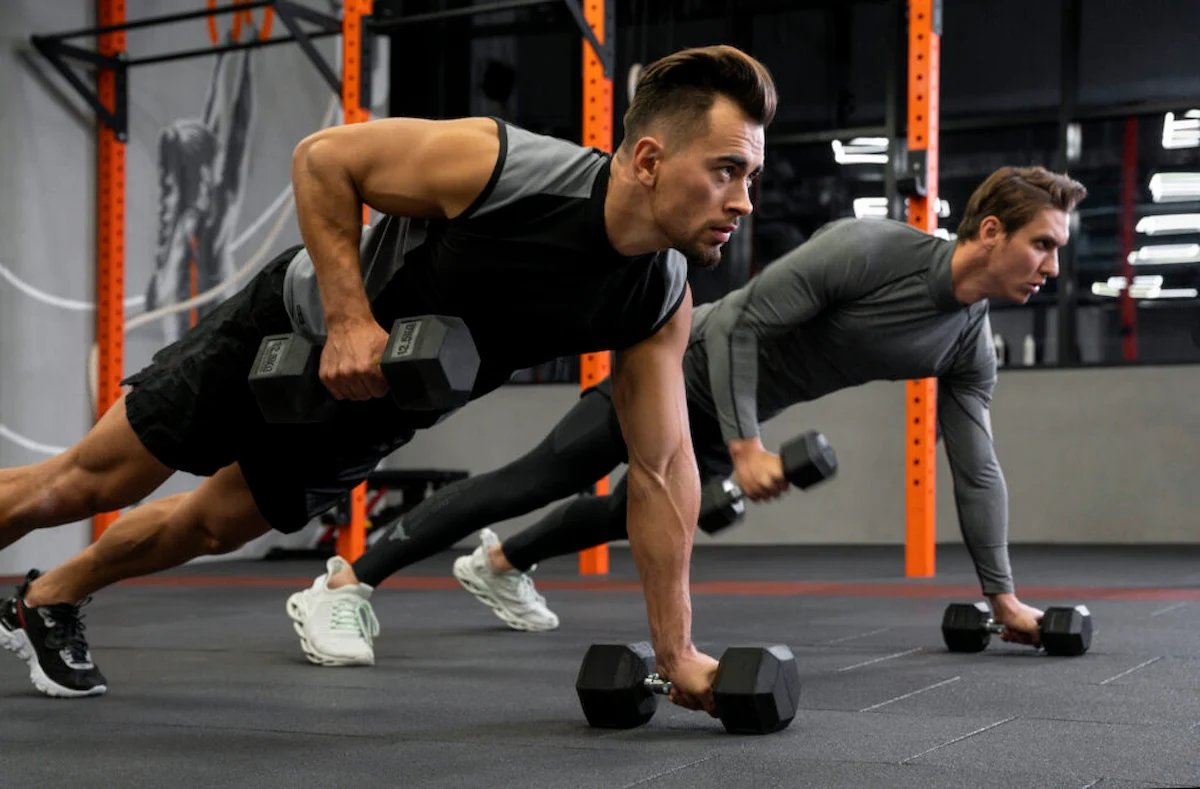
(193, 410)
(712, 454)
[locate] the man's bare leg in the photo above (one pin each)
(42, 623)
(217, 517)
(107, 470)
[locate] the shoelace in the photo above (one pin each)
(523, 590)
(356, 615)
(67, 632)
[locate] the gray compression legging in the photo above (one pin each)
(583, 447)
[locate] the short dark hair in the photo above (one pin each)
(1015, 195)
(681, 88)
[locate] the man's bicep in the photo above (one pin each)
(649, 394)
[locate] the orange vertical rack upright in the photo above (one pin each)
(924, 53)
(110, 232)
(352, 537)
(597, 133)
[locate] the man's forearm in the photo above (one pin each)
(983, 519)
(661, 522)
(329, 212)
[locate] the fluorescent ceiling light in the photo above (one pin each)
(1181, 132)
(1165, 255)
(1169, 224)
(1174, 187)
(861, 150)
(1142, 288)
(870, 207)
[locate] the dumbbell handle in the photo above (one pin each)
(656, 684)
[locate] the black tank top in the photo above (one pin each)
(528, 266)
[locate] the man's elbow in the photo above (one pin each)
(672, 473)
(315, 155)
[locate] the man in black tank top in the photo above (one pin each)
(541, 247)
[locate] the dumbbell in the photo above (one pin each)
(430, 363)
(756, 690)
(807, 460)
(968, 627)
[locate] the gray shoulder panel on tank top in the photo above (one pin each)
(535, 164)
(381, 254)
(676, 273)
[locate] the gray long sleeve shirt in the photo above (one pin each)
(863, 300)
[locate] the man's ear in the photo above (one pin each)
(647, 159)
(991, 231)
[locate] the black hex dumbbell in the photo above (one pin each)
(968, 627)
(807, 460)
(756, 690)
(430, 363)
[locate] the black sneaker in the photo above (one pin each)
(50, 639)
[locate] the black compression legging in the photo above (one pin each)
(583, 447)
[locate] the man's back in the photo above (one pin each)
(862, 300)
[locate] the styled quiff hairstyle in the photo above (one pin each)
(676, 93)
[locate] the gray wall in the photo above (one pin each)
(48, 205)
(1102, 455)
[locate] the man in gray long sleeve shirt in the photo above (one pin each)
(863, 300)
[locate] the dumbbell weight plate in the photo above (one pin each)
(285, 380)
(611, 685)
(430, 363)
(808, 459)
(964, 627)
(1067, 632)
(721, 505)
(757, 690)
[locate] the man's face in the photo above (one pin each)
(1021, 263)
(701, 186)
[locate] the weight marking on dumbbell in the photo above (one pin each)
(1131, 670)
(910, 695)
(407, 341)
(880, 659)
(271, 355)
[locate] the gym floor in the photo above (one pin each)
(208, 686)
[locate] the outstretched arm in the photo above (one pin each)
(980, 491)
(664, 498)
(399, 166)
(790, 292)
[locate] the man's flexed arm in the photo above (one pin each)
(400, 166)
(664, 500)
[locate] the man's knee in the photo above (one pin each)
(223, 515)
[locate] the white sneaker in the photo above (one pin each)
(336, 626)
(510, 595)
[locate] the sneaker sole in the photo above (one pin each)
(299, 615)
(468, 581)
(17, 642)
